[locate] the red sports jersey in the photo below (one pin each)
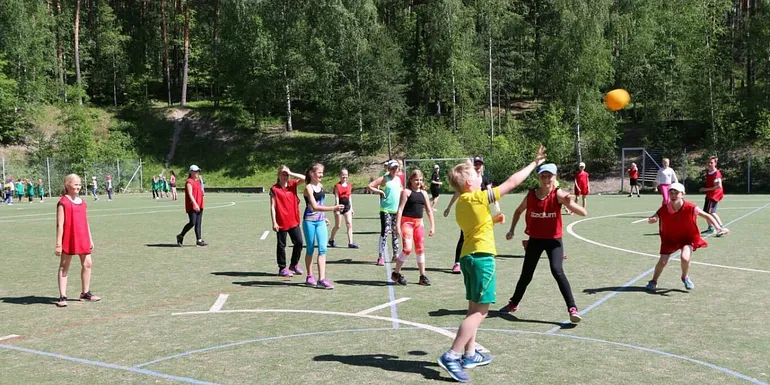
(401, 176)
(718, 194)
(344, 192)
(286, 205)
(633, 173)
(543, 216)
(76, 240)
(679, 228)
(581, 181)
(197, 192)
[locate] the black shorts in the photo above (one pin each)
(710, 206)
(173, 185)
(345, 202)
(434, 192)
(634, 181)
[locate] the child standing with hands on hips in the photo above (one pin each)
(73, 237)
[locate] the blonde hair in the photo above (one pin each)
(68, 181)
(459, 175)
(415, 173)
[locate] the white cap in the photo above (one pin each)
(582, 165)
(194, 168)
(435, 167)
(677, 186)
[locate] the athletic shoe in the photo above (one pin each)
(87, 296)
(296, 269)
(380, 261)
(332, 244)
(688, 283)
(285, 273)
(62, 302)
(651, 286)
(310, 280)
(478, 359)
(708, 230)
(424, 281)
(454, 368)
(179, 240)
(398, 278)
(325, 284)
(629, 195)
(456, 268)
(509, 308)
(723, 232)
(352, 246)
(201, 243)
(574, 316)
(564, 256)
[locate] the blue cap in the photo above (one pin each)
(548, 167)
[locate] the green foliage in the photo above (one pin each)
(76, 145)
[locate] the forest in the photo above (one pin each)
(435, 77)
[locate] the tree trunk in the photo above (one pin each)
(166, 69)
(77, 51)
(289, 126)
(452, 71)
(114, 81)
(360, 108)
(186, 67)
(214, 47)
(60, 50)
(491, 115)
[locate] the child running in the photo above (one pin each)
(284, 210)
(9, 188)
(666, 176)
(343, 191)
(73, 237)
(315, 223)
(478, 261)
(414, 201)
(633, 178)
(582, 185)
(389, 197)
(679, 232)
(544, 227)
(714, 192)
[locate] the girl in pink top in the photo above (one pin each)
(73, 237)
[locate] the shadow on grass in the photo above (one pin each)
(497, 314)
(348, 261)
(244, 274)
(387, 362)
(434, 269)
(651, 234)
(29, 300)
(162, 245)
(366, 218)
(366, 232)
(633, 216)
(633, 289)
(509, 256)
(271, 283)
(354, 282)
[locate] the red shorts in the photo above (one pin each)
(671, 247)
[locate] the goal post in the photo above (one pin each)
(645, 161)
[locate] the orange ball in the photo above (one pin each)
(617, 99)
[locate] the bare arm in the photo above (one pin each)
(89, 235)
(314, 205)
(712, 222)
(676, 180)
(400, 212)
(717, 186)
(429, 210)
(571, 205)
(272, 213)
(516, 216)
(451, 203)
(59, 229)
(521, 175)
(375, 185)
(336, 195)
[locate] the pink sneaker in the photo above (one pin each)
(574, 315)
(285, 273)
(380, 261)
(310, 280)
(456, 268)
(325, 284)
(296, 269)
(87, 296)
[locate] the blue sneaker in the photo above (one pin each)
(651, 286)
(688, 283)
(478, 359)
(454, 368)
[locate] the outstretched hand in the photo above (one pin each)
(652, 219)
(541, 155)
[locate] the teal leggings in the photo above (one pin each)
(315, 231)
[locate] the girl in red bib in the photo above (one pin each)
(679, 232)
(343, 192)
(73, 237)
(543, 207)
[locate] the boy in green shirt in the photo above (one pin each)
(19, 190)
(40, 190)
(30, 190)
(155, 187)
(478, 259)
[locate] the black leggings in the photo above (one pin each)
(295, 233)
(459, 249)
(195, 221)
(555, 251)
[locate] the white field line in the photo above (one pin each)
(384, 305)
(11, 220)
(726, 208)
(8, 337)
(217, 306)
(264, 235)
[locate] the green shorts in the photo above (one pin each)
(479, 275)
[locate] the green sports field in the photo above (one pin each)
(222, 315)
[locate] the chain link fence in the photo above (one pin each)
(126, 174)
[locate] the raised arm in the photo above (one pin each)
(521, 175)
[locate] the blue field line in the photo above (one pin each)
(391, 296)
(642, 348)
(109, 366)
(640, 276)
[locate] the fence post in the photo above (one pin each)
(748, 174)
(118, 163)
(141, 175)
(48, 171)
(622, 166)
(684, 167)
(4, 169)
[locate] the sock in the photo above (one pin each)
(469, 356)
(453, 355)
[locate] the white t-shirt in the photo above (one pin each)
(667, 176)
